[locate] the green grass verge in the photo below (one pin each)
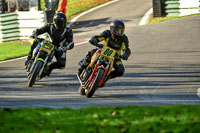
(133, 119)
(11, 50)
(161, 19)
(77, 6)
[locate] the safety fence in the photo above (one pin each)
(20, 25)
(175, 7)
(181, 7)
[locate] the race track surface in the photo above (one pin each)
(162, 70)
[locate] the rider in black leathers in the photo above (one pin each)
(114, 38)
(61, 37)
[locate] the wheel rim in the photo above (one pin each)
(93, 79)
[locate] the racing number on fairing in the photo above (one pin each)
(108, 52)
(47, 46)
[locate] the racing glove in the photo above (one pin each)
(124, 57)
(34, 35)
(93, 41)
(62, 49)
(126, 54)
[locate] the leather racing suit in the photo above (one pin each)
(120, 44)
(60, 38)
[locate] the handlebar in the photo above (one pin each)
(64, 48)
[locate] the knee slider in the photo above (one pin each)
(120, 70)
(61, 65)
(120, 73)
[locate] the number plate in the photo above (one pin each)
(47, 46)
(108, 52)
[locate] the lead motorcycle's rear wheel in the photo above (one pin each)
(95, 83)
(35, 73)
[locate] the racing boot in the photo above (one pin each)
(83, 64)
(86, 61)
(46, 72)
(28, 58)
(33, 46)
(49, 72)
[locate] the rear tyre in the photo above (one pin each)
(96, 80)
(35, 73)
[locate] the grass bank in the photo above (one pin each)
(161, 19)
(133, 119)
(77, 6)
(10, 50)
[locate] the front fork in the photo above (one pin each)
(35, 60)
(45, 61)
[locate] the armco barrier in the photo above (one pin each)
(181, 7)
(9, 27)
(20, 25)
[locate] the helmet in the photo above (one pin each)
(117, 28)
(60, 20)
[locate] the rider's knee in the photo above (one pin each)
(61, 65)
(120, 70)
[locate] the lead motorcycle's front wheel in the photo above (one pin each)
(32, 77)
(95, 83)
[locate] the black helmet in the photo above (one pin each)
(117, 28)
(60, 20)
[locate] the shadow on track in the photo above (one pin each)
(91, 23)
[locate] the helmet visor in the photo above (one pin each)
(60, 24)
(118, 31)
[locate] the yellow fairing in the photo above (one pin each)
(108, 52)
(94, 58)
(47, 47)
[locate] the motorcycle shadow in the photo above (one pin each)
(115, 96)
(60, 81)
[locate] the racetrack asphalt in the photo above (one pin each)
(162, 70)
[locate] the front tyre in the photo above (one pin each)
(95, 83)
(35, 73)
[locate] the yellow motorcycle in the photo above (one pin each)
(92, 77)
(42, 57)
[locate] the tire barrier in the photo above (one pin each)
(181, 7)
(20, 25)
(175, 7)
